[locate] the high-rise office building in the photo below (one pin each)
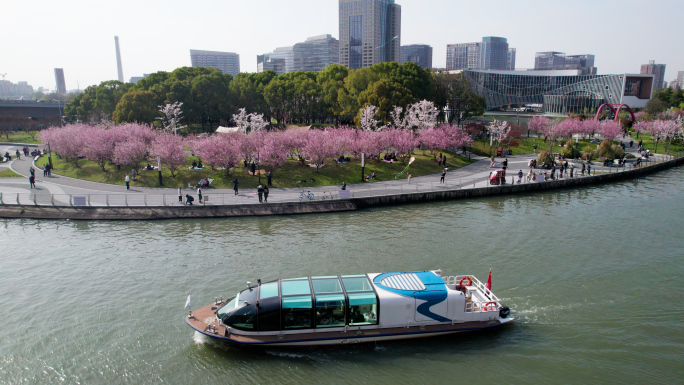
(370, 32)
(314, 54)
(658, 70)
(60, 84)
(680, 77)
(560, 61)
(227, 62)
(492, 53)
(511, 59)
(281, 60)
(420, 54)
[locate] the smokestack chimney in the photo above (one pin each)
(118, 59)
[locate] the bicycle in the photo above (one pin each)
(309, 195)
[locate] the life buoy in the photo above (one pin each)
(469, 280)
(489, 306)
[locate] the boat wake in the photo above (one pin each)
(201, 339)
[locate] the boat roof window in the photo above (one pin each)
(299, 302)
(326, 285)
(269, 290)
(295, 287)
(356, 283)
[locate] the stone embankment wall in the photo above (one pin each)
(165, 212)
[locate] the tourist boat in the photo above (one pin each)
(349, 309)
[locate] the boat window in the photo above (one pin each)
(243, 318)
(330, 310)
(269, 290)
(269, 314)
(298, 287)
(227, 308)
(327, 285)
(356, 283)
(325, 276)
(363, 309)
(249, 295)
(297, 312)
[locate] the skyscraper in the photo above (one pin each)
(492, 53)
(370, 32)
(316, 53)
(420, 54)
(60, 84)
(658, 70)
(118, 59)
(227, 62)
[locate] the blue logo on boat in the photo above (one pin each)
(430, 289)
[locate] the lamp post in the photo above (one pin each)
(363, 165)
(159, 168)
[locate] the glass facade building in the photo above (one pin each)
(420, 54)
(370, 32)
(560, 92)
(492, 53)
(60, 84)
(314, 54)
(227, 62)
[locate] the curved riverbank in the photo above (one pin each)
(312, 207)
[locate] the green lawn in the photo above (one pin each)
(19, 137)
(287, 176)
(9, 174)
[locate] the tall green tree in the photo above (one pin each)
(385, 95)
(136, 106)
(454, 98)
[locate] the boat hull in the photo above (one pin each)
(212, 329)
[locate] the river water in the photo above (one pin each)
(594, 277)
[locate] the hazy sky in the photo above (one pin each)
(156, 35)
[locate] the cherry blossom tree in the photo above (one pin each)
(219, 150)
(610, 130)
(130, 151)
(100, 143)
(274, 151)
(172, 114)
(319, 147)
(498, 130)
(444, 137)
(249, 122)
(67, 141)
(401, 141)
(368, 122)
(171, 149)
(546, 127)
(420, 115)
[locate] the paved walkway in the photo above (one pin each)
(62, 190)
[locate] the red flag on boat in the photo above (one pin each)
(489, 280)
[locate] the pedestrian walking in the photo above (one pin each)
(199, 195)
(535, 148)
(18, 154)
(553, 172)
(572, 168)
(25, 151)
(32, 171)
(560, 174)
(44, 170)
(260, 192)
(253, 168)
(133, 173)
(266, 194)
(344, 185)
(584, 167)
(49, 169)
(32, 181)
(180, 195)
(444, 161)
(128, 180)
(589, 169)
(505, 163)
(520, 176)
(409, 178)
(235, 185)
(269, 177)
(439, 160)
(441, 180)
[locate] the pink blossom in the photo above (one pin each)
(219, 150)
(171, 149)
(610, 130)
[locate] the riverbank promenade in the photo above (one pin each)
(59, 191)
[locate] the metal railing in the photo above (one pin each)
(369, 190)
